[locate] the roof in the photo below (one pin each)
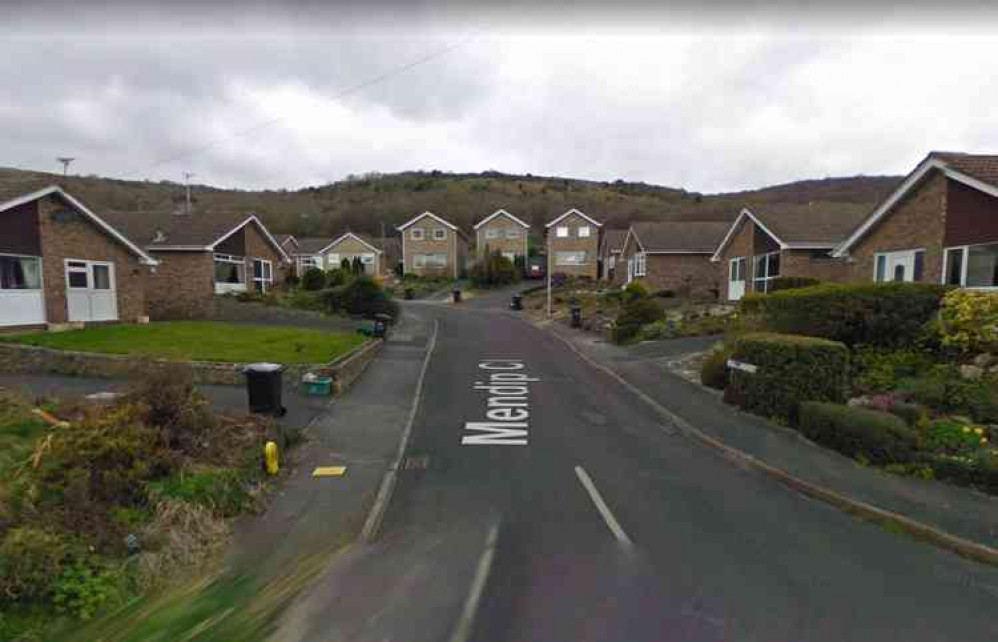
(422, 216)
(675, 237)
(13, 194)
(308, 245)
(363, 239)
(614, 240)
(284, 238)
(979, 171)
(198, 231)
(501, 213)
(797, 225)
(574, 211)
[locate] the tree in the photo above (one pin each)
(357, 267)
(313, 279)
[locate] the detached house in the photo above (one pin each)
(350, 246)
(433, 247)
(762, 245)
(672, 256)
(503, 232)
(573, 245)
(610, 248)
(61, 262)
(939, 226)
(203, 254)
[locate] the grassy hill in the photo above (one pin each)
(363, 203)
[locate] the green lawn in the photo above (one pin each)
(202, 341)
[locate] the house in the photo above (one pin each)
(940, 225)
(573, 245)
(288, 243)
(349, 246)
(433, 247)
(610, 247)
(674, 256)
(781, 240)
(307, 253)
(200, 255)
(61, 262)
(503, 232)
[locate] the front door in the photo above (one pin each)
(901, 266)
(630, 270)
(736, 279)
(91, 294)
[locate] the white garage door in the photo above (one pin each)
(22, 301)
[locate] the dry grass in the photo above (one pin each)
(183, 537)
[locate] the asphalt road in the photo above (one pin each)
(608, 525)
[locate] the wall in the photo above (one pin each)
(235, 244)
(428, 245)
(918, 221)
(348, 248)
(971, 216)
(76, 236)
(518, 246)
(688, 275)
(20, 233)
(258, 247)
(804, 263)
(742, 244)
(574, 243)
(182, 286)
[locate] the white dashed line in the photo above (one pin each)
(603, 509)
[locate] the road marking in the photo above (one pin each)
(462, 631)
(603, 509)
(329, 471)
(507, 408)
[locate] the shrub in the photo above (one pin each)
(789, 369)
(979, 471)
(944, 390)
(969, 321)
(791, 283)
(220, 490)
(953, 437)
(878, 370)
(170, 400)
(292, 280)
(31, 560)
(913, 414)
(879, 314)
(878, 437)
(666, 294)
(634, 290)
(336, 277)
(633, 315)
(313, 279)
(363, 296)
(493, 270)
(714, 369)
(84, 588)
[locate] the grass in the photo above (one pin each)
(201, 341)
(19, 430)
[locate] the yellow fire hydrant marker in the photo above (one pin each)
(329, 471)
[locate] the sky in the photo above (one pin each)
(302, 93)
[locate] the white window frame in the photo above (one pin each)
(333, 260)
(584, 261)
(640, 264)
(439, 234)
(420, 260)
(769, 277)
(224, 287)
(964, 256)
(512, 233)
(584, 231)
(41, 275)
(561, 232)
(367, 258)
(887, 256)
(266, 278)
(417, 234)
(736, 269)
(491, 234)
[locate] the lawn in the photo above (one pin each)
(202, 341)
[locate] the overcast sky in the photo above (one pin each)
(718, 101)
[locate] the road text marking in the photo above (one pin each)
(603, 509)
(507, 410)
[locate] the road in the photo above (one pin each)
(595, 521)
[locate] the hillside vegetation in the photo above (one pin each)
(363, 203)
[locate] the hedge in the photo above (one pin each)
(714, 369)
(791, 283)
(362, 296)
(980, 472)
(880, 437)
(633, 315)
(882, 314)
(789, 369)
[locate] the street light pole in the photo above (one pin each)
(550, 312)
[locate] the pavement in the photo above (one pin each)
(598, 520)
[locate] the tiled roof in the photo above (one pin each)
(165, 229)
(675, 236)
(614, 239)
(810, 224)
(311, 244)
(983, 167)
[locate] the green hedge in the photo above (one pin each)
(979, 472)
(790, 369)
(714, 369)
(879, 437)
(883, 314)
(791, 283)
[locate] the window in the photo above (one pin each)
(439, 234)
(231, 269)
(737, 269)
(570, 258)
(584, 232)
(263, 274)
(367, 258)
(102, 277)
(561, 232)
(765, 268)
(307, 262)
(904, 265)
(417, 234)
(512, 233)
(430, 260)
(333, 260)
(491, 234)
(880, 272)
(640, 264)
(20, 273)
(77, 275)
(954, 266)
(974, 266)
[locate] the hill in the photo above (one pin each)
(363, 203)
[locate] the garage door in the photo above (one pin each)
(22, 301)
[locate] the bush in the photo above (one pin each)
(666, 294)
(969, 321)
(222, 491)
(337, 277)
(313, 279)
(944, 390)
(84, 588)
(494, 270)
(635, 290)
(714, 369)
(979, 471)
(31, 561)
(633, 315)
(878, 437)
(790, 369)
(877, 370)
(292, 280)
(953, 437)
(363, 296)
(913, 414)
(170, 400)
(878, 314)
(791, 283)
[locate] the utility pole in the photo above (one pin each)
(550, 312)
(187, 181)
(65, 160)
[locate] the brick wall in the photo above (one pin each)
(257, 247)
(688, 275)
(805, 263)
(447, 245)
(183, 286)
(573, 243)
(72, 235)
(501, 223)
(918, 221)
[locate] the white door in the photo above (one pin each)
(91, 294)
(901, 266)
(630, 270)
(736, 279)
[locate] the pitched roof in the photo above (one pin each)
(310, 244)
(284, 238)
(692, 237)
(575, 211)
(613, 240)
(424, 215)
(500, 213)
(360, 237)
(797, 225)
(983, 167)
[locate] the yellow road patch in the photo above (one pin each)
(329, 471)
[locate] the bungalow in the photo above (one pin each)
(288, 243)
(307, 253)
(503, 232)
(433, 247)
(350, 246)
(673, 255)
(784, 240)
(610, 248)
(573, 245)
(202, 254)
(939, 226)
(60, 262)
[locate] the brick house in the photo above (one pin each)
(200, 255)
(573, 245)
(504, 232)
(433, 247)
(784, 240)
(288, 243)
(60, 262)
(674, 256)
(939, 226)
(610, 248)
